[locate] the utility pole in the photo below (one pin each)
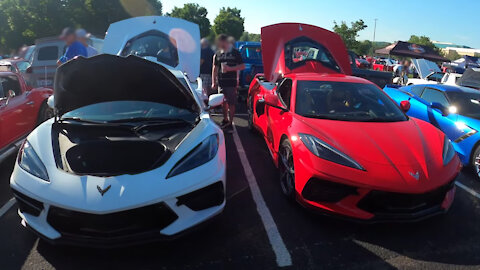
(373, 42)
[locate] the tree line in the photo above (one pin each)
(23, 21)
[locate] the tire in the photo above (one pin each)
(287, 170)
(250, 114)
(476, 162)
(44, 114)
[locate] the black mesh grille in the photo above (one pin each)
(140, 220)
(380, 202)
(317, 190)
(27, 204)
(209, 196)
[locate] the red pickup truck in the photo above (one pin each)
(21, 109)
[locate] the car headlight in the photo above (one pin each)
(31, 163)
(325, 151)
(201, 154)
(448, 151)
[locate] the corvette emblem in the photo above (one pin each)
(103, 191)
(415, 175)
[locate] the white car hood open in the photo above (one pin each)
(425, 67)
(185, 35)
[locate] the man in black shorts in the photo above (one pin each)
(227, 61)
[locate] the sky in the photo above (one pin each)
(441, 20)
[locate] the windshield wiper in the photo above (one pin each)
(81, 120)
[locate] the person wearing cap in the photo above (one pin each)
(74, 47)
(83, 37)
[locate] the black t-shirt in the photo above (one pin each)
(207, 56)
(231, 58)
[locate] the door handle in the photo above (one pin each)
(30, 103)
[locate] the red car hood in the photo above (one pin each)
(398, 144)
(276, 36)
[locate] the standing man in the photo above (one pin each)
(227, 61)
(83, 37)
(74, 49)
(206, 56)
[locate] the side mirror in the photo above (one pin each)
(51, 102)
(405, 105)
(11, 94)
(440, 107)
(215, 100)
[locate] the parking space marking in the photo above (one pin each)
(7, 207)
(282, 255)
(467, 189)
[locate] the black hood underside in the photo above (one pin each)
(103, 78)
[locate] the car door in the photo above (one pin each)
(18, 115)
(436, 117)
(278, 116)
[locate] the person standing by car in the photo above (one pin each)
(74, 49)
(227, 61)
(206, 56)
(83, 37)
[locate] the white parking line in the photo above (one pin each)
(282, 255)
(467, 189)
(7, 207)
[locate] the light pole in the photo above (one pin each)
(373, 42)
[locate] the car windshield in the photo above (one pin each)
(467, 104)
(345, 101)
(252, 53)
(125, 111)
(437, 76)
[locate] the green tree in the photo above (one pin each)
(246, 36)
(424, 41)
(363, 47)
(451, 55)
(23, 21)
(349, 34)
(193, 13)
(229, 21)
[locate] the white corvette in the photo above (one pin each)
(130, 156)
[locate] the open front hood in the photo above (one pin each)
(184, 35)
(425, 67)
(103, 78)
(276, 37)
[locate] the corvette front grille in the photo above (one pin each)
(380, 202)
(140, 220)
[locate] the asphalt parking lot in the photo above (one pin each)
(259, 229)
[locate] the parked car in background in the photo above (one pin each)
(21, 109)
(362, 63)
(455, 110)
(383, 64)
(44, 61)
(252, 57)
(19, 66)
(341, 145)
(379, 78)
(425, 72)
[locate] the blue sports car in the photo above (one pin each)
(453, 109)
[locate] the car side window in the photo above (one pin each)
(10, 83)
(433, 95)
(285, 92)
(417, 90)
(22, 66)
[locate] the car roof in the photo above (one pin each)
(327, 77)
(7, 73)
(450, 88)
(10, 61)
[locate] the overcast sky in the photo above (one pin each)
(450, 21)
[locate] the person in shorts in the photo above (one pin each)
(227, 61)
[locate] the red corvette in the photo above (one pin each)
(341, 145)
(21, 109)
